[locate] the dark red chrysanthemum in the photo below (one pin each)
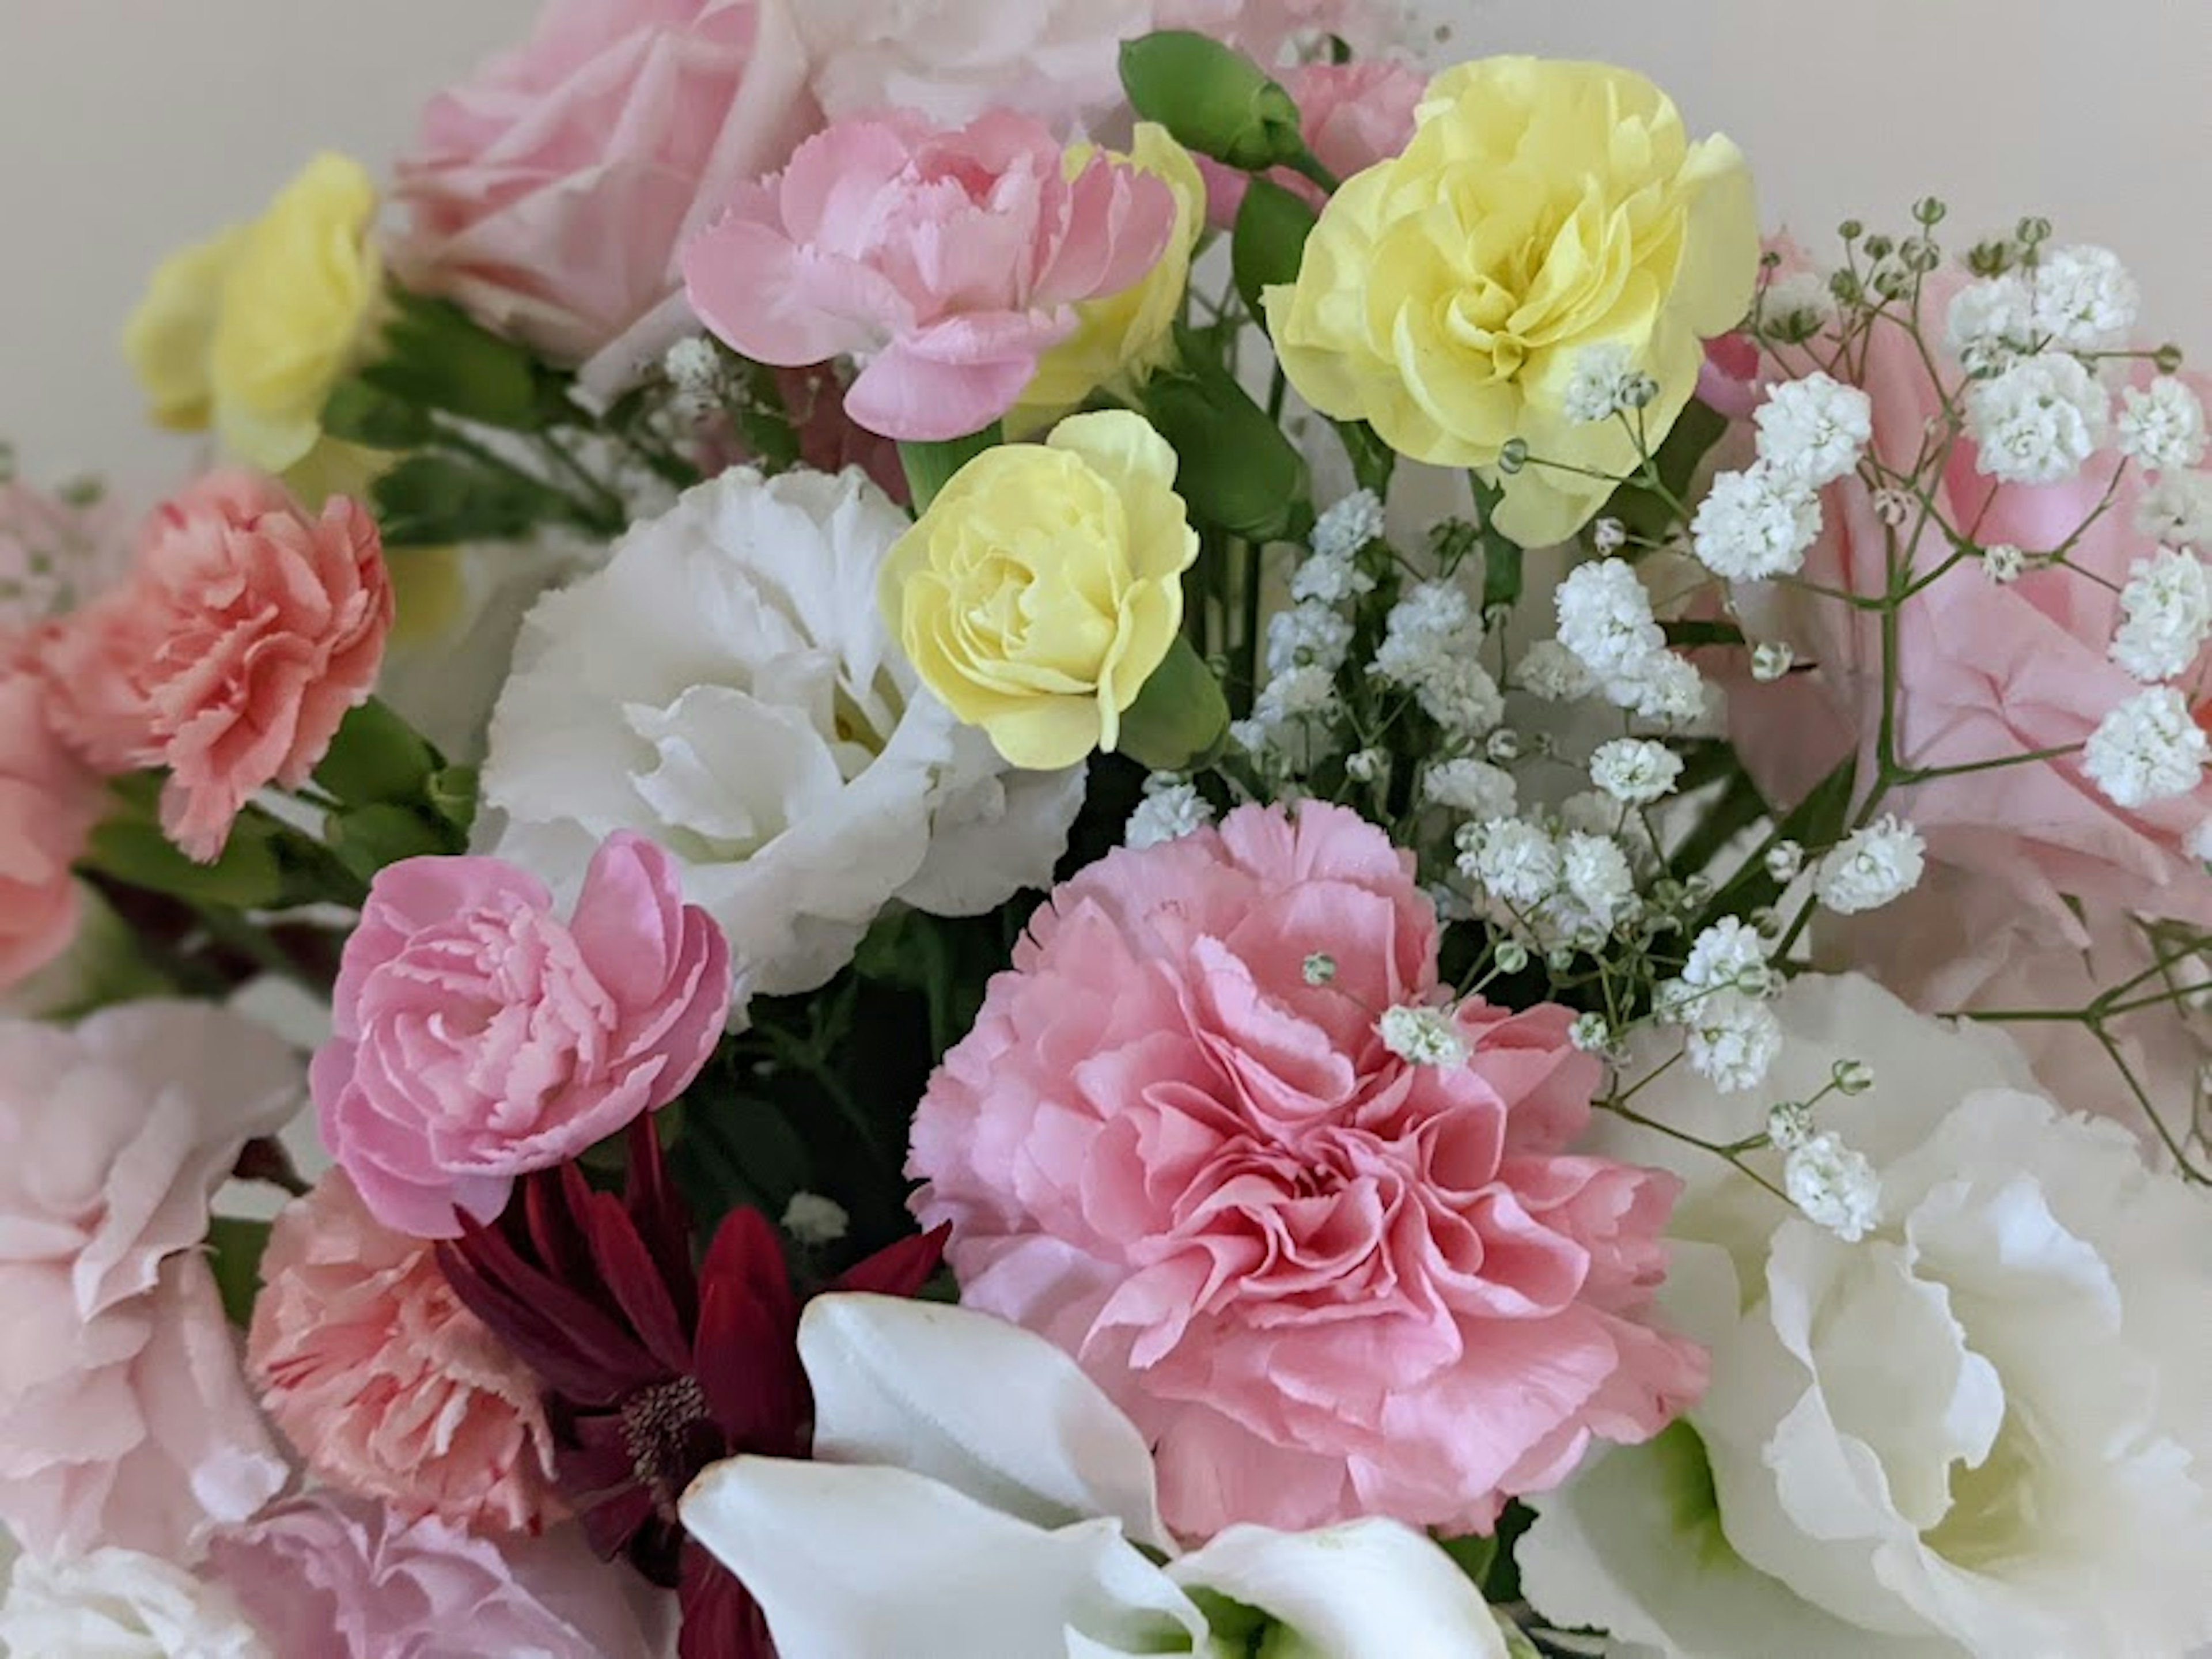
(653, 1368)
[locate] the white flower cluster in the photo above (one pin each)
(1834, 1185)
(1759, 523)
(1430, 645)
(1306, 646)
(1422, 1036)
(1720, 1002)
(2166, 615)
(2177, 510)
(2147, 750)
(1172, 809)
(1552, 882)
(1604, 621)
(1606, 382)
(1635, 771)
(2161, 428)
(1795, 308)
(2073, 299)
(2036, 420)
(1871, 866)
(1473, 787)
(1549, 670)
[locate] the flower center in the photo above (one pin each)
(658, 1425)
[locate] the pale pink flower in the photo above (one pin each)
(49, 802)
(1353, 115)
(387, 1384)
(549, 195)
(477, 1036)
(230, 653)
(1265, 29)
(945, 262)
(340, 1578)
(1983, 671)
(1324, 1281)
(54, 553)
(124, 1419)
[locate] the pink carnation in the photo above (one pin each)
(230, 653)
(945, 262)
(49, 802)
(1983, 671)
(1265, 29)
(1353, 115)
(342, 1578)
(387, 1385)
(1324, 1281)
(124, 1419)
(478, 1038)
(549, 195)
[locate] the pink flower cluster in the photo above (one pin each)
(945, 262)
(229, 654)
(478, 1038)
(387, 1385)
(1325, 1280)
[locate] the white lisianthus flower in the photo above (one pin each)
(1980, 1430)
(1004, 1508)
(727, 687)
(120, 1604)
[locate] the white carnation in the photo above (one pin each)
(2147, 750)
(2167, 615)
(2083, 298)
(1475, 787)
(2161, 428)
(1755, 524)
(120, 1604)
(2039, 419)
(1979, 1430)
(1871, 867)
(726, 686)
(1635, 771)
(1814, 430)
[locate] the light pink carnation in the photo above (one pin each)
(124, 1419)
(1324, 1281)
(387, 1385)
(945, 262)
(230, 653)
(1983, 671)
(1265, 29)
(478, 1038)
(550, 194)
(49, 802)
(1353, 115)
(339, 1578)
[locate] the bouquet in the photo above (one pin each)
(977, 832)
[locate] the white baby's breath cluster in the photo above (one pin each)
(1720, 1004)
(1635, 771)
(1604, 382)
(2166, 615)
(2161, 427)
(1759, 522)
(2039, 419)
(2148, 749)
(1172, 809)
(1430, 647)
(1871, 867)
(2176, 510)
(1605, 620)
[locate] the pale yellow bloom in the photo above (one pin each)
(1541, 208)
(250, 331)
(1044, 585)
(1119, 339)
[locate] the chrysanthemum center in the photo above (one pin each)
(657, 1431)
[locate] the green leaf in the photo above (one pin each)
(376, 756)
(1472, 1556)
(452, 793)
(1643, 512)
(246, 876)
(1269, 242)
(362, 414)
(931, 466)
(234, 1248)
(1236, 470)
(1693, 633)
(370, 838)
(436, 357)
(1180, 717)
(1372, 460)
(434, 500)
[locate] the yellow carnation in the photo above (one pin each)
(299, 295)
(1120, 338)
(166, 341)
(1044, 585)
(249, 331)
(1541, 208)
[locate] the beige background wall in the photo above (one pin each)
(127, 126)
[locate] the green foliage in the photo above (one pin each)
(234, 1248)
(437, 357)
(1269, 241)
(361, 413)
(435, 501)
(1238, 471)
(1213, 99)
(1649, 514)
(931, 466)
(376, 756)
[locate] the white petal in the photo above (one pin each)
(983, 1405)
(1369, 1589)
(852, 1563)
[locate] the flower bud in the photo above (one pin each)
(1214, 101)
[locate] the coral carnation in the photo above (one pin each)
(231, 652)
(387, 1385)
(1324, 1279)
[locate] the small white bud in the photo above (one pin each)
(1852, 1077)
(2003, 564)
(1422, 1036)
(811, 1219)
(1771, 661)
(1590, 1034)
(1785, 860)
(1609, 535)
(1320, 968)
(1789, 1125)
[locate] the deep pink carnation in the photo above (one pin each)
(477, 1036)
(945, 262)
(1324, 1281)
(342, 1578)
(387, 1384)
(230, 653)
